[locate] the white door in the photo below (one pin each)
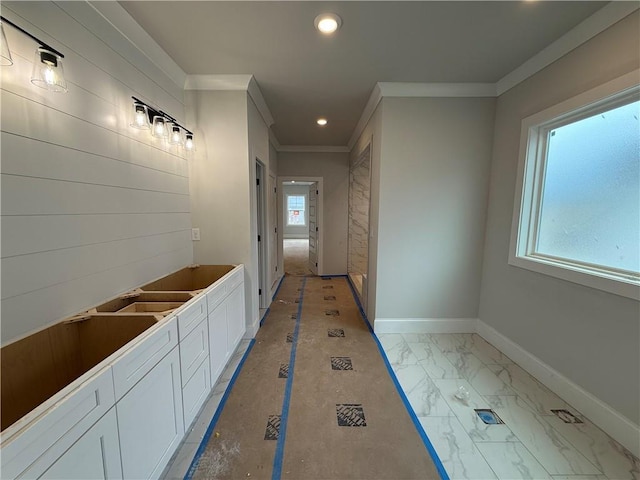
(273, 230)
(313, 227)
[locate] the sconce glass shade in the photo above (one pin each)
(175, 137)
(5, 55)
(140, 118)
(48, 72)
(189, 144)
(159, 128)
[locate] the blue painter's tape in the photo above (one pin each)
(277, 459)
(427, 443)
(277, 289)
(264, 317)
(203, 444)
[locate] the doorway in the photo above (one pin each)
(300, 221)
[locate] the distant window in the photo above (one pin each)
(295, 209)
(579, 210)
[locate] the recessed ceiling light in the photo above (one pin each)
(327, 23)
(322, 122)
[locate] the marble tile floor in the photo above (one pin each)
(533, 443)
(179, 464)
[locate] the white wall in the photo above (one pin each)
(221, 191)
(434, 173)
(90, 206)
(334, 170)
(295, 231)
(590, 336)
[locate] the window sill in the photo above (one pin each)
(575, 274)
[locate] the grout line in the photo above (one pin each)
(284, 417)
(205, 440)
(412, 414)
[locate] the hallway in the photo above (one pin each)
(314, 376)
(292, 380)
(296, 256)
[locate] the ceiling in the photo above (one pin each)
(304, 75)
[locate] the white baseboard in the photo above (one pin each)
(613, 423)
(425, 325)
(251, 330)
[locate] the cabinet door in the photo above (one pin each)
(96, 455)
(235, 317)
(218, 352)
(150, 421)
(195, 392)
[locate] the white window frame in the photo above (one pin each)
(304, 216)
(530, 183)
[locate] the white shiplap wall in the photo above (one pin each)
(90, 206)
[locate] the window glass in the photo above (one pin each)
(295, 210)
(590, 199)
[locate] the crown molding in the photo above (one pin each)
(400, 89)
(256, 94)
(274, 140)
(314, 149)
(124, 23)
(245, 83)
(217, 82)
(581, 33)
(369, 109)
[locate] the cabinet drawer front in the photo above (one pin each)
(235, 279)
(190, 317)
(41, 443)
(193, 349)
(196, 391)
(215, 296)
(139, 360)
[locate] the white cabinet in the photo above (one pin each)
(191, 316)
(218, 352)
(235, 317)
(27, 452)
(195, 392)
(96, 455)
(150, 420)
(226, 328)
(126, 417)
(137, 361)
(193, 350)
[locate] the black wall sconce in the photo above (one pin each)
(48, 72)
(161, 124)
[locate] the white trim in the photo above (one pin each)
(365, 116)
(124, 23)
(274, 140)
(217, 82)
(613, 423)
(246, 82)
(256, 94)
(581, 33)
(252, 330)
(425, 325)
(313, 149)
(320, 216)
(526, 195)
(400, 89)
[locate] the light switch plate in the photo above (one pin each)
(195, 234)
